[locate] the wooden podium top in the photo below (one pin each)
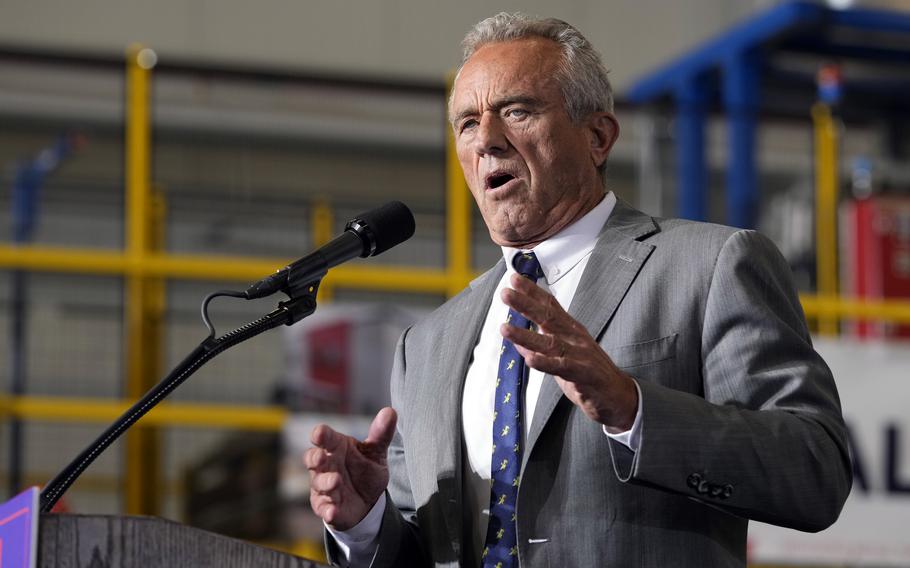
(100, 541)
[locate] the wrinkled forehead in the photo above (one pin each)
(527, 66)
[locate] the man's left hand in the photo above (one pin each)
(566, 350)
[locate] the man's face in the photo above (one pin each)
(531, 169)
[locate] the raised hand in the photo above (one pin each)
(348, 476)
(566, 350)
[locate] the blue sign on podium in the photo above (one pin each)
(19, 531)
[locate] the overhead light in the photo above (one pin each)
(841, 4)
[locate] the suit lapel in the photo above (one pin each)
(615, 262)
(456, 344)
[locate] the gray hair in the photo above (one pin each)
(581, 74)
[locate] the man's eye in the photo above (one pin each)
(468, 124)
(517, 113)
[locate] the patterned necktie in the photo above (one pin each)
(501, 545)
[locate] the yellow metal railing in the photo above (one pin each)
(836, 308)
(38, 258)
(826, 184)
(145, 295)
(272, 418)
(145, 266)
(93, 410)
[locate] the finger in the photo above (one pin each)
(324, 507)
(528, 286)
(537, 305)
(382, 430)
(326, 482)
(324, 437)
(325, 498)
(556, 366)
(333, 497)
(315, 459)
(544, 343)
(331, 513)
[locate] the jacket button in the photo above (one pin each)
(693, 480)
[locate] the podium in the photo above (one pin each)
(101, 541)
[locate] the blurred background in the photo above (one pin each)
(153, 152)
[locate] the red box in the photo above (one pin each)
(875, 257)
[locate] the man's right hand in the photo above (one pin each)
(347, 476)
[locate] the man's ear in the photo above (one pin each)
(604, 130)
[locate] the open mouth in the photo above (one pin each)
(498, 179)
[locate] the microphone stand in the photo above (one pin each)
(301, 304)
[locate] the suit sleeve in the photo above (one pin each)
(399, 538)
(766, 439)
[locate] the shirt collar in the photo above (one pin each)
(563, 251)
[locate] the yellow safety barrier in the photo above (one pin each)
(836, 307)
(145, 266)
(145, 297)
(201, 267)
(826, 184)
(93, 410)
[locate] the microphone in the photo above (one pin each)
(367, 234)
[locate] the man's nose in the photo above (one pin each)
(491, 137)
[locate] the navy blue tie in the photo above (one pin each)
(501, 545)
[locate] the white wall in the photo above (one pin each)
(404, 38)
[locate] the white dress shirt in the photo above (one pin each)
(563, 258)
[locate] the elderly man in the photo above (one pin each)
(619, 391)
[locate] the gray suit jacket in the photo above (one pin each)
(741, 418)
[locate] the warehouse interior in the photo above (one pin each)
(152, 153)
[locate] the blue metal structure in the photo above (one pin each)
(749, 70)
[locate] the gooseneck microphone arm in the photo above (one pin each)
(366, 235)
(206, 351)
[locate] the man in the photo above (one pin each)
(671, 390)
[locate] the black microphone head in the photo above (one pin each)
(383, 228)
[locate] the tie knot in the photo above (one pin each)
(527, 265)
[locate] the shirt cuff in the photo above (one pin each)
(631, 438)
(359, 543)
